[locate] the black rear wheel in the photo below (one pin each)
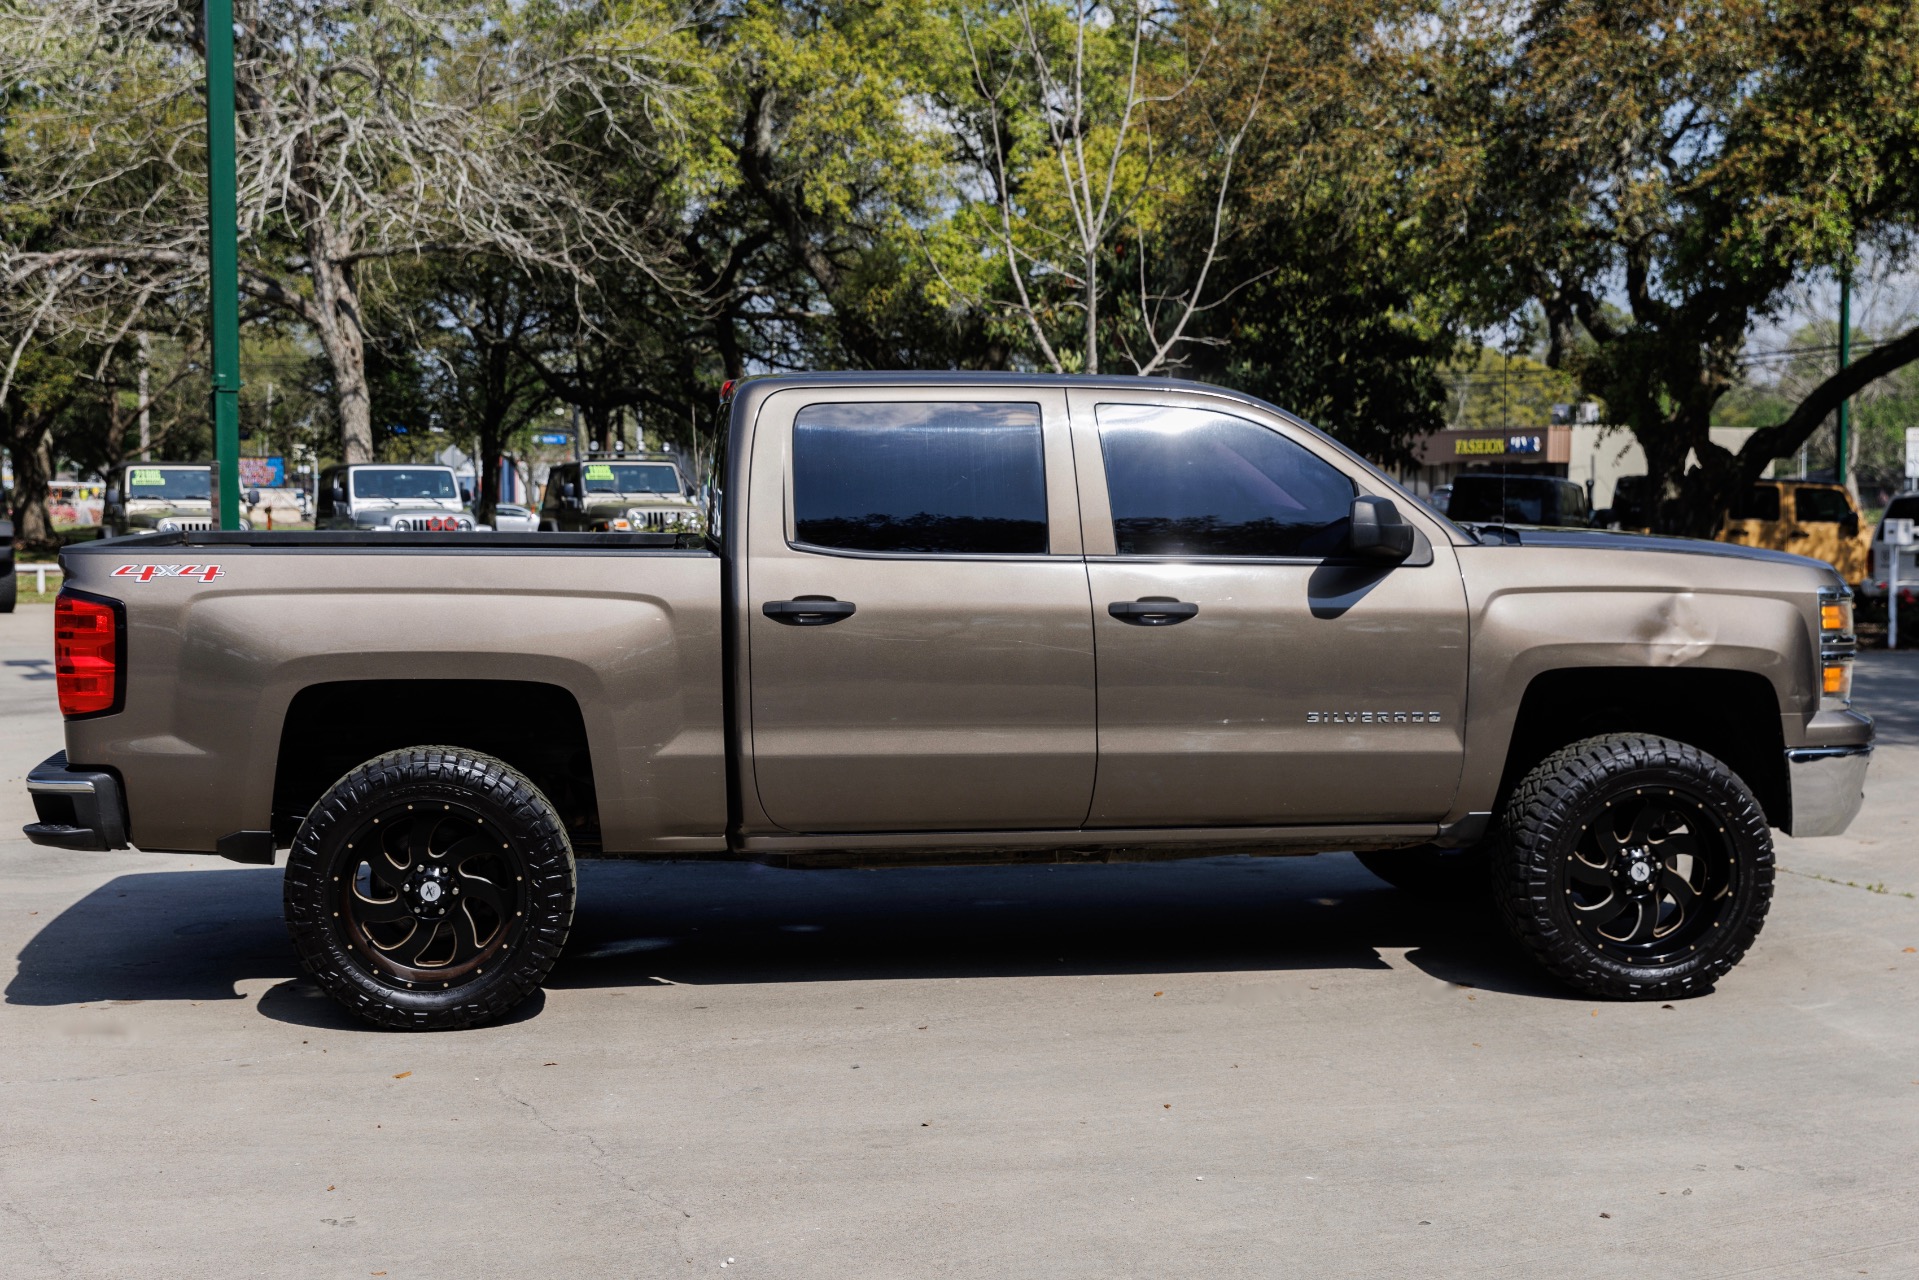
(1634, 867)
(430, 888)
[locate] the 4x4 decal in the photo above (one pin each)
(148, 572)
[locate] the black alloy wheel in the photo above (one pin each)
(427, 893)
(1650, 877)
(430, 888)
(1633, 867)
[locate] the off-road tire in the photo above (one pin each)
(1431, 872)
(534, 848)
(1545, 823)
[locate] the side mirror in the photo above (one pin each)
(466, 494)
(1379, 532)
(1849, 524)
(253, 497)
(339, 495)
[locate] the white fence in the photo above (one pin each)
(39, 572)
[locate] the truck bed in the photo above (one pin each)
(258, 667)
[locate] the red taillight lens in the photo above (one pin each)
(86, 654)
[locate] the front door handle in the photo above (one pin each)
(1152, 611)
(808, 611)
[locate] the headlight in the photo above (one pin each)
(1837, 645)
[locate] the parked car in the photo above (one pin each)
(393, 498)
(1490, 498)
(509, 518)
(887, 657)
(147, 497)
(1807, 518)
(1440, 498)
(1878, 582)
(618, 493)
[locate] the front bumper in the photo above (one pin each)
(1828, 786)
(77, 808)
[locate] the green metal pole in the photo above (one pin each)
(223, 259)
(1845, 358)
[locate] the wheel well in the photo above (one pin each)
(536, 728)
(1733, 715)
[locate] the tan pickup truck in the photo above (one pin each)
(941, 618)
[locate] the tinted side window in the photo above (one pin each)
(1194, 482)
(1761, 503)
(930, 478)
(1820, 504)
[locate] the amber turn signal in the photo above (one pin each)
(1837, 678)
(1835, 616)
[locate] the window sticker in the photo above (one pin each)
(598, 471)
(146, 475)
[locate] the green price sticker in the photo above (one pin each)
(598, 471)
(147, 475)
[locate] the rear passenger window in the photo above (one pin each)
(1761, 503)
(931, 478)
(1190, 482)
(1820, 504)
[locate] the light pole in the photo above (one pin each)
(223, 259)
(1845, 358)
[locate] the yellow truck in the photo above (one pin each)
(1807, 518)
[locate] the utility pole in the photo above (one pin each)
(146, 405)
(1845, 358)
(223, 259)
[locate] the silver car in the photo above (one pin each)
(394, 498)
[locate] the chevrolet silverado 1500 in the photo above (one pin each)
(947, 618)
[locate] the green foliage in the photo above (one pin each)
(1694, 159)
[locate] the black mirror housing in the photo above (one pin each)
(1379, 532)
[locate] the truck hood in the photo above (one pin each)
(1617, 540)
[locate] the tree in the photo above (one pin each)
(1082, 126)
(1692, 160)
(1334, 303)
(368, 133)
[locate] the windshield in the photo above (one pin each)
(632, 477)
(404, 482)
(1903, 507)
(176, 484)
(1514, 500)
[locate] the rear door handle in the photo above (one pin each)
(808, 611)
(1152, 611)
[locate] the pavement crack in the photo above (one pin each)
(601, 1159)
(54, 1262)
(1851, 884)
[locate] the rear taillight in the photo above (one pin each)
(86, 653)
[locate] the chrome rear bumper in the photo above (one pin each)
(1828, 786)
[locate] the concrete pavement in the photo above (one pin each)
(1233, 1067)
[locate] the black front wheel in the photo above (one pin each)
(431, 888)
(1634, 867)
